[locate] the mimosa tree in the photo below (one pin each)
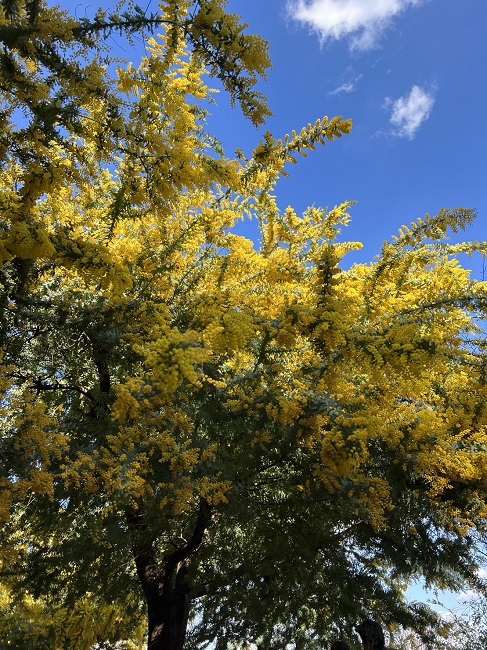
(254, 442)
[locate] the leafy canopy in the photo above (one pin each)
(307, 439)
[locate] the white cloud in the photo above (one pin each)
(467, 596)
(361, 20)
(447, 615)
(470, 594)
(410, 111)
(347, 87)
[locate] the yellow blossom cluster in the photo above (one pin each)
(230, 333)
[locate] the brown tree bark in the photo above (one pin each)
(166, 584)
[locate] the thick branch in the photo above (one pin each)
(149, 573)
(186, 551)
(155, 580)
(101, 358)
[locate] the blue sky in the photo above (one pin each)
(412, 76)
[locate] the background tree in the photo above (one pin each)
(264, 446)
(468, 625)
(465, 627)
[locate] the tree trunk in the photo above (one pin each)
(168, 620)
(166, 585)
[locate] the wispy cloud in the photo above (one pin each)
(410, 111)
(347, 87)
(362, 21)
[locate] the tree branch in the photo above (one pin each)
(185, 552)
(38, 385)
